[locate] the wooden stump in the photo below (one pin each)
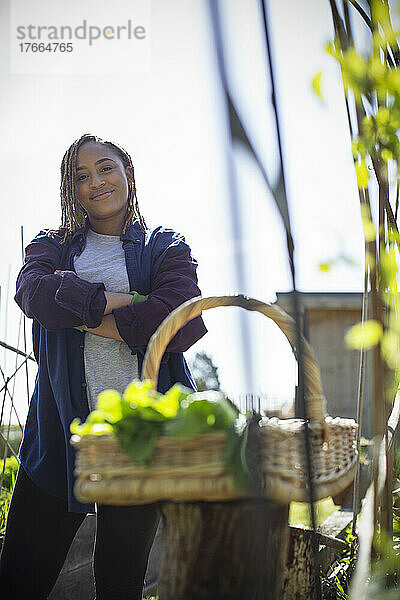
(301, 579)
(225, 550)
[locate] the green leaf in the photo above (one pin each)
(387, 154)
(334, 49)
(191, 420)
(88, 428)
(97, 416)
(392, 234)
(109, 402)
(369, 260)
(369, 230)
(376, 70)
(368, 226)
(201, 411)
(140, 393)
(316, 85)
(169, 404)
(388, 263)
(390, 346)
(358, 148)
(354, 72)
(392, 81)
(362, 174)
(75, 425)
(324, 267)
(235, 455)
(137, 438)
(364, 335)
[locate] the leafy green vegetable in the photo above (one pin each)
(200, 412)
(241, 456)
(137, 438)
(141, 414)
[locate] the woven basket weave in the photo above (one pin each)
(192, 469)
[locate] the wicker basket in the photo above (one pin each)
(192, 469)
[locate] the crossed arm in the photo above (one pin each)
(108, 327)
(63, 300)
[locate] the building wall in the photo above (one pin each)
(339, 365)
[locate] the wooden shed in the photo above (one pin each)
(326, 317)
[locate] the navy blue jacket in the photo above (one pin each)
(159, 264)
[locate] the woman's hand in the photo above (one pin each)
(107, 327)
(116, 300)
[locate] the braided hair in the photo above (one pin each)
(72, 213)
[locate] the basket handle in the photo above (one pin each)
(187, 311)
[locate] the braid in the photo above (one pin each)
(72, 214)
(132, 209)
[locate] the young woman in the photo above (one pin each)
(90, 332)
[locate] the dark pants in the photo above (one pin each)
(40, 531)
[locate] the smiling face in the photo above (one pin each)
(101, 182)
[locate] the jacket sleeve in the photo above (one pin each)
(56, 301)
(174, 282)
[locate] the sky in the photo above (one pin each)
(166, 107)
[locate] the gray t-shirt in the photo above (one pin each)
(109, 364)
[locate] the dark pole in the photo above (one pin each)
(301, 405)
